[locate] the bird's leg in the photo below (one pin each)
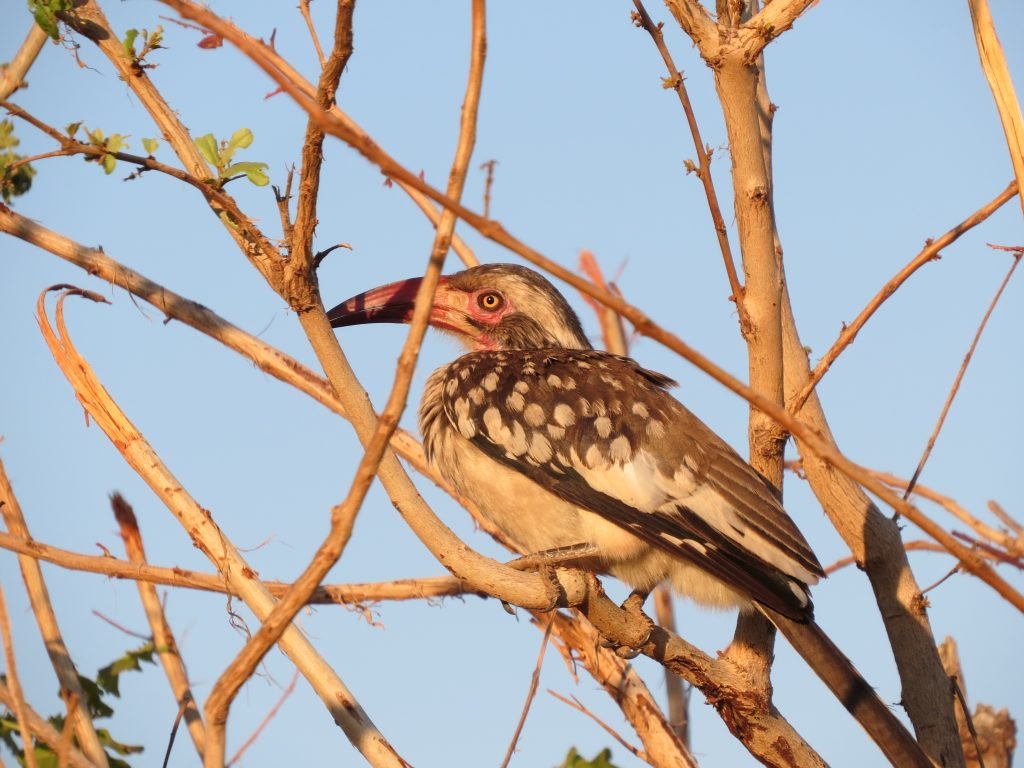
(634, 607)
(545, 562)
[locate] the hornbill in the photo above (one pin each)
(565, 448)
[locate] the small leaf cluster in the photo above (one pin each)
(220, 156)
(115, 142)
(45, 13)
(575, 760)
(151, 41)
(107, 683)
(18, 181)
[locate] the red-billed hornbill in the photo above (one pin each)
(562, 446)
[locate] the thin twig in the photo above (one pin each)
(534, 681)
(121, 627)
(960, 377)
(910, 546)
(174, 732)
(300, 238)
(265, 722)
(345, 594)
(488, 167)
(1013, 545)
(70, 146)
(575, 704)
(304, 10)
(703, 169)
(930, 252)
(14, 685)
(1004, 516)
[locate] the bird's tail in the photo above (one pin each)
(859, 698)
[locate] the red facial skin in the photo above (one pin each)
(454, 311)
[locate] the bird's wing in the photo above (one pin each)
(601, 432)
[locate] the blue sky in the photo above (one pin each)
(886, 135)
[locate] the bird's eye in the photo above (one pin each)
(491, 301)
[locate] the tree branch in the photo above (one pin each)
(163, 637)
(42, 608)
(201, 527)
(930, 252)
(12, 75)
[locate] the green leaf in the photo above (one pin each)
(96, 137)
(94, 698)
(129, 43)
(110, 742)
(207, 146)
(72, 128)
(108, 677)
(575, 760)
(241, 138)
(7, 137)
(116, 142)
(45, 13)
(150, 146)
(253, 171)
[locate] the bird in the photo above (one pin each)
(566, 448)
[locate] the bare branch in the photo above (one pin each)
(703, 169)
(211, 541)
(300, 243)
(534, 681)
(929, 253)
(42, 608)
(960, 377)
(343, 515)
(260, 251)
(347, 594)
(270, 715)
(14, 685)
(46, 733)
(12, 75)
(163, 637)
(304, 9)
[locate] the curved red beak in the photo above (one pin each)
(392, 303)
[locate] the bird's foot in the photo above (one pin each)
(634, 607)
(564, 556)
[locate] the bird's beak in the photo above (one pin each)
(394, 303)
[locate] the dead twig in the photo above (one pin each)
(930, 252)
(960, 377)
(265, 722)
(534, 681)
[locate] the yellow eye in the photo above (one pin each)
(490, 301)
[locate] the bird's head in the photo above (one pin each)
(490, 307)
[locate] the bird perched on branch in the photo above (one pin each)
(567, 448)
